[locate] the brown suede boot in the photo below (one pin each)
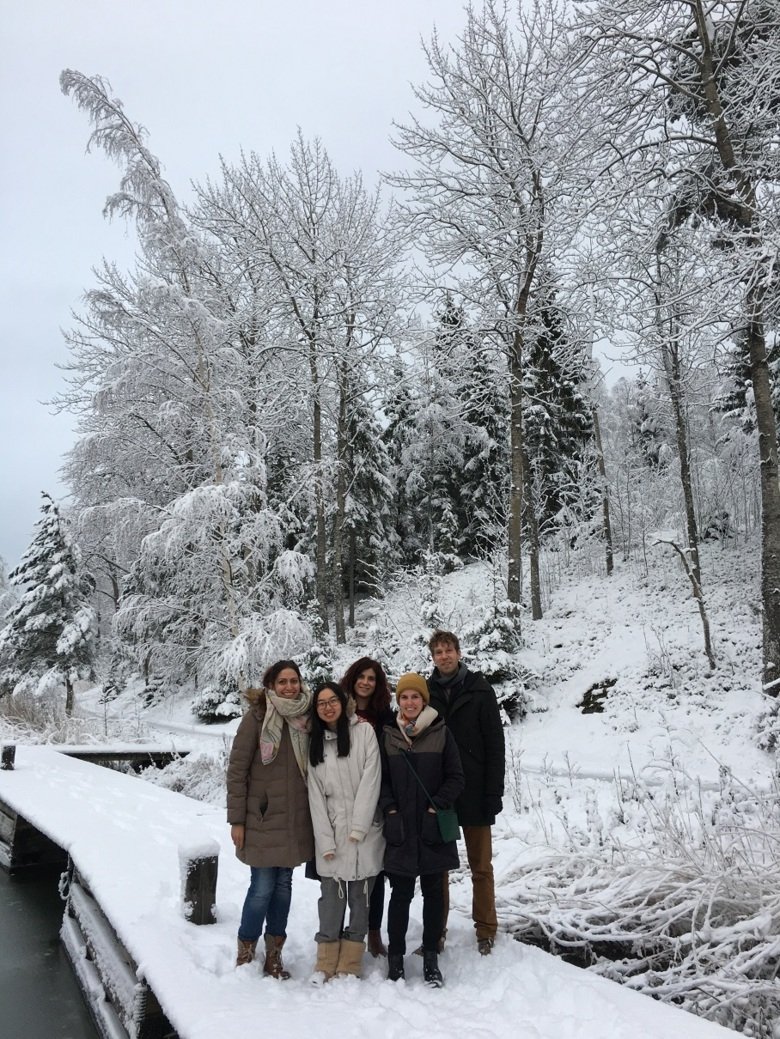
(375, 944)
(327, 960)
(350, 958)
(245, 953)
(273, 966)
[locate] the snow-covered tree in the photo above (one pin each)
(558, 421)
(47, 641)
(473, 373)
(688, 94)
(491, 192)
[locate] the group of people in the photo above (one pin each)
(359, 792)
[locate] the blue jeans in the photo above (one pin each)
(267, 901)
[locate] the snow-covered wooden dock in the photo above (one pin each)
(126, 839)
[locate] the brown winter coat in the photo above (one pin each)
(271, 801)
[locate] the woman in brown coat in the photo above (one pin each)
(268, 807)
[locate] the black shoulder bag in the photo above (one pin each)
(446, 818)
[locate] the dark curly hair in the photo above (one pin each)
(318, 726)
(380, 698)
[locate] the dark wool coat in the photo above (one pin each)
(414, 846)
(270, 800)
(473, 718)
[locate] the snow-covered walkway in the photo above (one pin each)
(124, 836)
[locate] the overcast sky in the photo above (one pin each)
(205, 79)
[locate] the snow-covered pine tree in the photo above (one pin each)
(433, 452)
(736, 398)
(371, 543)
(399, 406)
(558, 420)
(47, 640)
(482, 486)
(647, 424)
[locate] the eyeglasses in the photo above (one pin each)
(327, 704)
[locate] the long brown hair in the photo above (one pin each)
(380, 698)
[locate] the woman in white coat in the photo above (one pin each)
(344, 779)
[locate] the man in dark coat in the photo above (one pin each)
(468, 704)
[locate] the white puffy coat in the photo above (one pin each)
(343, 796)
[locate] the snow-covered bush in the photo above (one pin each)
(198, 775)
(690, 915)
(218, 702)
(491, 646)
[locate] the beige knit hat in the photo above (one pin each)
(411, 680)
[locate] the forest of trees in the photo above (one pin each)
(306, 387)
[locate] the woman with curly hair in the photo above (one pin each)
(365, 682)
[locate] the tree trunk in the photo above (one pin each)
(320, 552)
(670, 355)
(338, 520)
(770, 491)
(745, 216)
(606, 525)
(699, 597)
(351, 576)
(532, 539)
(515, 511)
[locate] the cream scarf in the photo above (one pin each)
(278, 710)
(426, 716)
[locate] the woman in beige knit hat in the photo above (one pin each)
(421, 771)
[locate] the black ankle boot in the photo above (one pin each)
(431, 973)
(395, 966)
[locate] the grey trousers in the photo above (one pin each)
(335, 896)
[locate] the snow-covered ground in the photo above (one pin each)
(660, 775)
(125, 841)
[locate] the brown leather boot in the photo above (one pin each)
(375, 944)
(273, 965)
(245, 953)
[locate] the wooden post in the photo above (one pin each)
(8, 757)
(199, 881)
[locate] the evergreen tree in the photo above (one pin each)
(48, 637)
(736, 399)
(399, 408)
(371, 542)
(481, 488)
(557, 418)
(647, 427)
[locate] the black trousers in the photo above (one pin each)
(376, 906)
(402, 888)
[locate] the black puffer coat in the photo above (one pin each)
(472, 716)
(414, 846)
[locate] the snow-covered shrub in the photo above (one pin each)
(689, 915)
(198, 775)
(490, 646)
(767, 729)
(717, 526)
(316, 662)
(218, 702)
